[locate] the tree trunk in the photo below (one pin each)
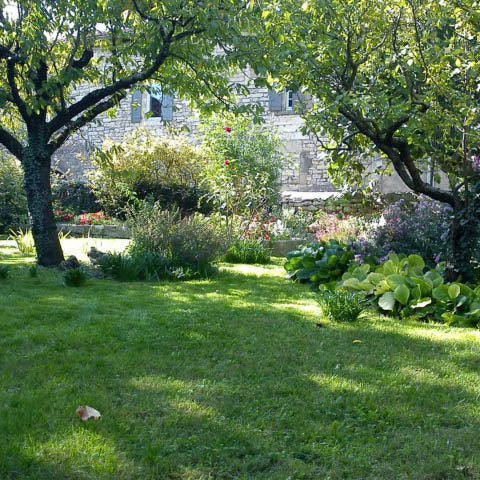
(39, 195)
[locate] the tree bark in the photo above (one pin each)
(36, 166)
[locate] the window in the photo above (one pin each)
(156, 101)
(289, 100)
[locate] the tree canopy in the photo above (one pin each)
(48, 48)
(399, 79)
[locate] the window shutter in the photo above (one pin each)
(136, 110)
(274, 101)
(298, 100)
(167, 107)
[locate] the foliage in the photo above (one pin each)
(319, 262)
(4, 270)
(73, 197)
(74, 277)
(409, 227)
(185, 241)
(149, 266)
(24, 241)
(33, 271)
(400, 285)
(248, 251)
(48, 49)
(13, 201)
(342, 305)
(145, 166)
(245, 165)
(395, 85)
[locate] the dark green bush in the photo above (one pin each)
(74, 277)
(342, 305)
(248, 251)
(149, 266)
(4, 270)
(75, 196)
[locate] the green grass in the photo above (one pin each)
(228, 378)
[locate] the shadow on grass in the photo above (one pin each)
(227, 378)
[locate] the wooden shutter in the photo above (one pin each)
(298, 101)
(167, 107)
(274, 101)
(136, 110)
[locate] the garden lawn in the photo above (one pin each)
(229, 378)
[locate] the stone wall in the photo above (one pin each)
(306, 172)
(336, 203)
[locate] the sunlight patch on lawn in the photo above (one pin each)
(340, 384)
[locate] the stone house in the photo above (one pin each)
(305, 178)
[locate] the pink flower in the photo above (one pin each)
(227, 129)
(227, 162)
(267, 237)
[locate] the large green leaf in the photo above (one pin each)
(453, 291)
(387, 301)
(401, 294)
(441, 293)
(425, 285)
(415, 264)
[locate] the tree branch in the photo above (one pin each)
(11, 143)
(22, 107)
(95, 96)
(87, 117)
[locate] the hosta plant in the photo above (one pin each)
(319, 262)
(401, 286)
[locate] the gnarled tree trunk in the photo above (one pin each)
(36, 166)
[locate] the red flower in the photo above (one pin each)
(58, 212)
(274, 219)
(267, 237)
(227, 162)
(227, 129)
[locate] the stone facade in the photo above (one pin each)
(305, 173)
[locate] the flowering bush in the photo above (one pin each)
(144, 166)
(420, 228)
(96, 218)
(244, 168)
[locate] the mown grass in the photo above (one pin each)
(228, 378)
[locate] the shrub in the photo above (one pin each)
(420, 228)
(245, 166)
(13, 201)
(401, 285)
(74, 277)
(248, 251)
(342, 305)
(148, 266)
(143, 166)
(24, 241)
(184, 240)
(73, 197)
(4, 270)
(318, 262)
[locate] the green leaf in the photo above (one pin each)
(401, 294)
(441, 293)
(415, 264)
(387, 301)
(454, 291)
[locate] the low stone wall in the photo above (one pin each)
(337, 203)
(105, 231)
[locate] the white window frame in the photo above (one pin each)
(289, 102)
